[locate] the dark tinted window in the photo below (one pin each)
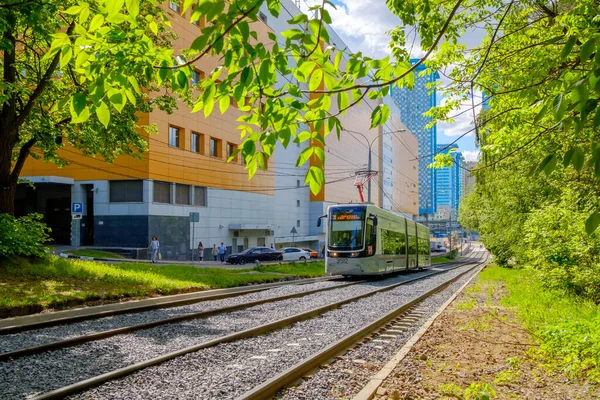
(182, 194)
(200, 196)
(126, 191)
(162, 192)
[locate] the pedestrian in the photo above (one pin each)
(323, 251)
(222, 250)
(272, 247)
(155, 248)
(200, 252)
(215, 252)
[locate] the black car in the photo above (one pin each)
(253, 254)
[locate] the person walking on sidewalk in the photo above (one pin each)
(215, 252)
(155, 248)
(222, 250)
(200, 252)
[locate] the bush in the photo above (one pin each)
(24, 236)
(558, 246)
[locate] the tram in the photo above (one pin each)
(362, 239)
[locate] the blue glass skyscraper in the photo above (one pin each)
(412, 104)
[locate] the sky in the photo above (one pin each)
(363, 24)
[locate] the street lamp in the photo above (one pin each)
(370, 146)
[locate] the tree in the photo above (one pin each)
(73, 72)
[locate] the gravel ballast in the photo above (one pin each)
(50, 370)
(229, 370)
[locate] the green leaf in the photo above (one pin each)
(315, 80)
(265, 72)
(65, 56)
(292, 34)
(96, 22)
(541, 114)
(182, 80)
(103, 114)
(305, 156)
(337, 60)
(568, 157)
(560, 106)
(587, 49)
(548, 164)
(224, 104)
(133, 7)
(73, 10)
(199, 43)
(114, 6)
(597, 118)
(343, 100)
(592, 222)
(274, 7)
(578, 159)
(298, 19)
(568, 47)
(79, 103)
(315, 178)
(579, 94)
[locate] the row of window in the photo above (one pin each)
(175, 5)
(132, 191)
(215, 148)
(395, 243)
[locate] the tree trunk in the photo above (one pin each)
(8, 191)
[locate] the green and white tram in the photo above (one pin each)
(362, 239)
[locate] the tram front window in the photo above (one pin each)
(347, 229)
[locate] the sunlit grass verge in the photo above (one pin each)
(94, 253)
(303, 269)
(439, 260)
(567, 327)
(31, 286)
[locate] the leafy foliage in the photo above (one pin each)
(24, 236)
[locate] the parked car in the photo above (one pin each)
(294, 254)
(438, 248)
(253, 254)
(313, 253)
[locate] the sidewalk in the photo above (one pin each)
(204, 264)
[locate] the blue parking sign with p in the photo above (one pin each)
(76, 208)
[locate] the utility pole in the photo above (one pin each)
(369, 187)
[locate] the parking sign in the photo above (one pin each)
(76, 208)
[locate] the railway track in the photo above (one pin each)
(250, 332)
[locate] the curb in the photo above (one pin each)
(370, 389)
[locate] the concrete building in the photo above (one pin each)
(185, 171)
(412, 104)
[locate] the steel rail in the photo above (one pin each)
(80, 386)
(189, 298)
(269, 388)
(74, 341)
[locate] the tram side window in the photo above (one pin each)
(371, 238)
(401, 244)
(423, 246)
(412, 244)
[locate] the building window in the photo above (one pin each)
(182, 194)
(175, 5)
(173, 136)
(262, 17)
(200, 196)
(197, 143)
(230, 150)
(162, 192)
(297, 203)
(126, 191)
(297, 182)
(201, 23)
(215, 147)
(260, 241)
(298, 223)
(197, 76)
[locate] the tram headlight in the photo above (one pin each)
(335, 254)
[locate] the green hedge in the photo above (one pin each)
(24, 236)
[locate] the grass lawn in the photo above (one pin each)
(94, 253)
(567, 326)
(55, 282)
(441, 259)
(303, 269)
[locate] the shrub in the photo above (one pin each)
(24, 236)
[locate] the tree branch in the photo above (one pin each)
(37, 92)
(23, 154)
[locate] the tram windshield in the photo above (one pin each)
(347, 228)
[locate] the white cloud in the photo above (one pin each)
(361, 24)
(463, 122)
(470, 155)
